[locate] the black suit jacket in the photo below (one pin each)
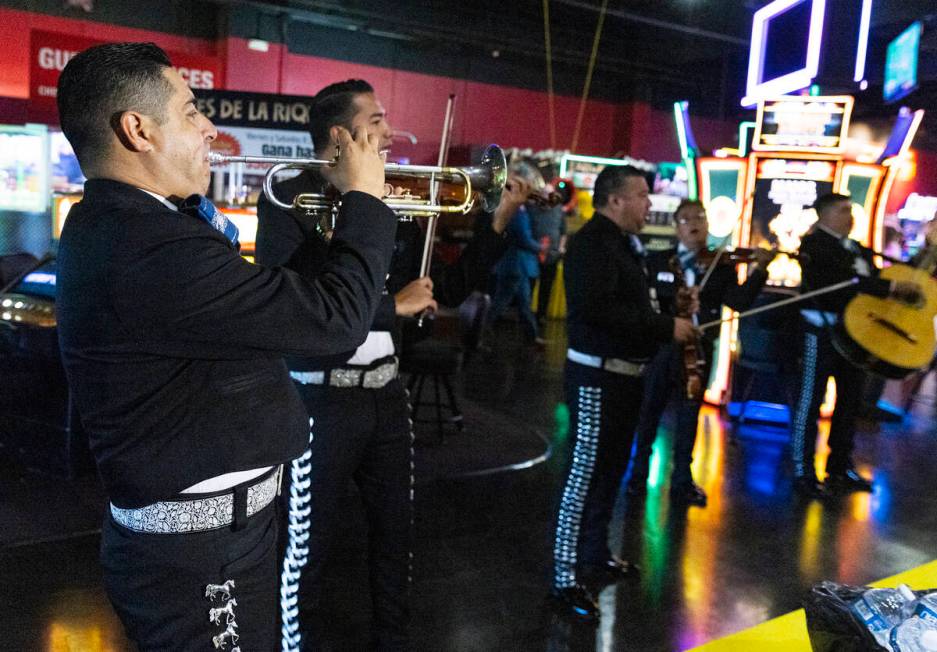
(173, 343)
(609, 311)
(828, 262)
(722, 288)
(289, 238)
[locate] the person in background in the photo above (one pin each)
(548, 224)
(519, 265)
(173, 346)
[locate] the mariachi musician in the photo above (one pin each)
(358, 408)
(667, 373)
(614, 329)
(830, 256)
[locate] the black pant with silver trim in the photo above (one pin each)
(820, 360)
(362, 435)
(663, 382)
(157, 585)
(603, 413)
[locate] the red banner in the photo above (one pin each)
(50, 51)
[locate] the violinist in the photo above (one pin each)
(666, 375)
(831, 256)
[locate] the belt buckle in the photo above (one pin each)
(345, 377)
(380, 376)
(623, 367)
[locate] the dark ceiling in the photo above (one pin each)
(654, 50)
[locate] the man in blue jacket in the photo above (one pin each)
(515, 271)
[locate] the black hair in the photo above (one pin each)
(334, 105)
(610, 180)
(827, 201)
(101, 83)
(686, 203)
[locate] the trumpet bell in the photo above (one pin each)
(489, 177)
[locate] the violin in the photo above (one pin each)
(692, 357)
(736, 256)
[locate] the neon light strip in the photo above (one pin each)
(593, 159)
(638, 163)
(678, 108)
(912, 130)
(743, 136)
(863, 46)
(692, 184)
(755, 87)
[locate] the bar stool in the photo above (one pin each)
(438, 361)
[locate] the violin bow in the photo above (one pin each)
(427, 259)
(784, 302)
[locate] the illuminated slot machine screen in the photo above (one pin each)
(812, 125)
(781, 208)
(24, 179)
(797, 156)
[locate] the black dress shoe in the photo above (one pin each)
(809, 487)
(688, 494)
(576, 601)
(847, 481)
(613, 570)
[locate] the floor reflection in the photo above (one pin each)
(482, 553)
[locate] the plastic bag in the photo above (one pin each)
(842, 618)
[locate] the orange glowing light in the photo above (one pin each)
(907, 168)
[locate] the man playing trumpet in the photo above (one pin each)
(358, 407)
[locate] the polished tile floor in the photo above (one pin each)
(482, 552)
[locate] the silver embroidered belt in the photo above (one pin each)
(347, 377)
(614, 365)
(196, 515)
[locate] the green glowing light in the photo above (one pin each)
(561, 421)
(660, 460)
(681, 129)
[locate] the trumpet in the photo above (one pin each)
(543, 199)
(458, 188)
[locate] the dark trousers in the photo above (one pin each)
(515, 287)
(157, 584)
(547, 276)
(603, 412)
(362, 435)
(663, 381)
(820, 361)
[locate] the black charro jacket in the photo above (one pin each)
(826, 262)
(609, 310)
(722, 288)
(290, 239)
(173, 344)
